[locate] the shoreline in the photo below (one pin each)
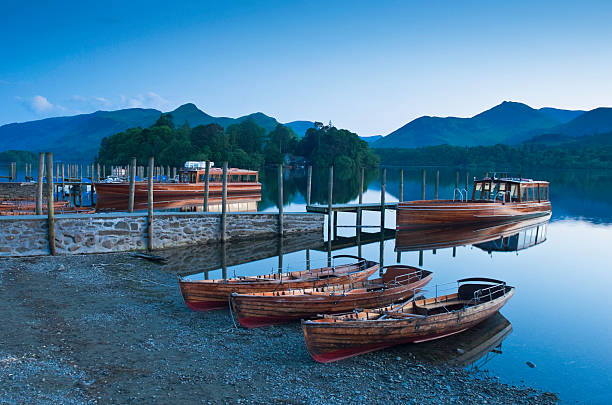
(112, 328)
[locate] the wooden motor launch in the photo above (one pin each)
(336, 337)
(493, 200)
(398, 283)
(202, 295)
(189, 184)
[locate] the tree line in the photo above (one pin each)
(245, 145)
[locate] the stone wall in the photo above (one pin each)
(118, 232)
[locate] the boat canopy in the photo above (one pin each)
(510, 189)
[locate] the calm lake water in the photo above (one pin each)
(560, 315)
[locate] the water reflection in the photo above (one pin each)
(472, 348)
(508, 236)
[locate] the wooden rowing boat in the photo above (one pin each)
(336, 337)
(202, 295)
(398, 283)
(493, 201)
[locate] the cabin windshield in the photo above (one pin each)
(495, 190)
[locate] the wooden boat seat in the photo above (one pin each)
(438, 308)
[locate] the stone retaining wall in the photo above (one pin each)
(99, 233)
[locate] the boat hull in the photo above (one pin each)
(263, 310)
(428, 213)
(203, 295)
(108, 194)
(331, 341)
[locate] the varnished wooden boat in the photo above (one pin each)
(336, 337)
(202, 295)
(398, 283)
(240, 183)
(493, 200)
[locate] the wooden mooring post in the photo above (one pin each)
(150, 204)
(206, 185)
(330, 202)
(50, 205)
(132, 185)
(424, 174)
(224, 205)
(358, 214)
(437, 184)
(39, 184)
(467, 180)
(63, 182)
(281, 219)
(401, 186)
(383, 182)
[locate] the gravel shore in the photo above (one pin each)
(114, 329)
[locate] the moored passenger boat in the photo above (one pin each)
(336, 337)
(493, 200)
(189, 185)
(202, 295)
(398, 283)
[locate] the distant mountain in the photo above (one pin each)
(300, 127)
(562, 116)
(591, 122)
(75, 138)
(371, 139)
(78, 137)
(508, 122)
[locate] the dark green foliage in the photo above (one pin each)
(585, 152)
(280, 142)
(243, 145)
(18, 156)
(340, 147)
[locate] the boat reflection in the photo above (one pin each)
(242, 203)
(472, 348)
(509, 236)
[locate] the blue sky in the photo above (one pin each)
(367, 66)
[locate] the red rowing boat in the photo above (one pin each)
(398, 283)
(202, 295)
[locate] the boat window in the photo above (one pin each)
(514, 192)
(523, 193)
(544, 193)
(477, 191)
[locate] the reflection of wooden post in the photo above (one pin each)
(433, 251)
(359, 242)
(361, 185)
(206, 185)
(424, 173)
(280, 201)
(39, 183)
(420, 257)
(150, 203)
(329, 202)
(308, 259)
(81, 187)
(399, 257)
(309, 186)
(401, 190)
(224, 204)
(132, 185)
(454, 251)
(50, 206)
(467, 180)
(63, 182)
(382, 199)
(437, 184)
